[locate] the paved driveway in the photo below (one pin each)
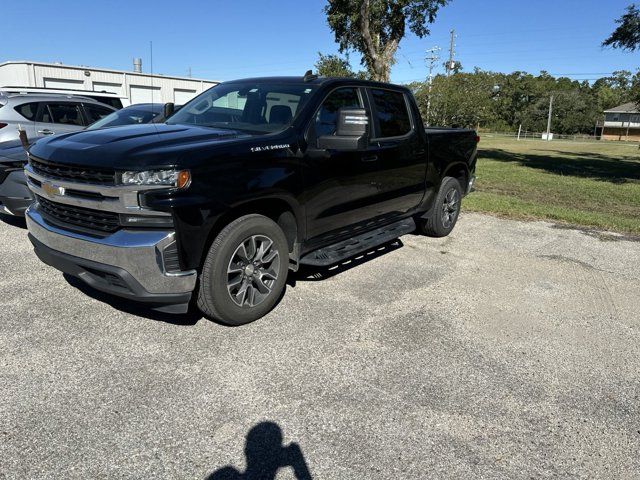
(508, 350)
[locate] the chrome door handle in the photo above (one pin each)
(46, 131)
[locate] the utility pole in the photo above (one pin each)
(432, 58)
(189, 74)
(549, 119)
(451, 63)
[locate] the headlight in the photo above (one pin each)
(171, 178)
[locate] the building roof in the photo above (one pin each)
(107, 70)
(630, 107)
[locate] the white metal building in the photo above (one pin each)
(132, 87)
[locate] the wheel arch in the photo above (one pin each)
(286, 212)
(459, 171)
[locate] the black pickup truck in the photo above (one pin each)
(249, 180)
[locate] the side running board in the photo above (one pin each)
(360, 243)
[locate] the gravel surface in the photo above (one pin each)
(508, 350)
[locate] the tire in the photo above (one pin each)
(233, 263)
(445, 212)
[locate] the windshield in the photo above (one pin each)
(252, 107)
(127, 116)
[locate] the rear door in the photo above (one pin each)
(399, 147)
(59, 117)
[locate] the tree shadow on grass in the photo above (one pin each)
(584, 165)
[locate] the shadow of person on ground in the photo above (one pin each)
(135, 308)
(265, 456)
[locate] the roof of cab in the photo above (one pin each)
(316, 80)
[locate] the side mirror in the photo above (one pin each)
(168, 110)
(352, 132)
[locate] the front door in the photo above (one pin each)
(338, 184)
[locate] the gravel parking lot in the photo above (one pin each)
(508, 350)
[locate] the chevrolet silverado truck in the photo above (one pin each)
(248, 181)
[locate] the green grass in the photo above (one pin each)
(586, 184)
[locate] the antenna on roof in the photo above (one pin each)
(309, 75)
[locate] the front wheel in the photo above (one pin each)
(245, 271)
(445, 211)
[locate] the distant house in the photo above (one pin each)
(622, 123)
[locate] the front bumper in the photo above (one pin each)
(127, 263)
(15, 196)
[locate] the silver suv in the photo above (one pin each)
(41, 115)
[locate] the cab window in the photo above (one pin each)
(391, 113)
(326, 119)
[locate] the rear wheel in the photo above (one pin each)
(245, 271)
(445, 211)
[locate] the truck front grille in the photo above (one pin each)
(85, 218)
(74, 174)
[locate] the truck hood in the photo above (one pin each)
(133, 146)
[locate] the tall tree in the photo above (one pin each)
(627, 35)
(333, 66)
(375, 28)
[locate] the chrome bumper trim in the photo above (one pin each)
(139, 252)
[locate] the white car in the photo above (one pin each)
(41, 115)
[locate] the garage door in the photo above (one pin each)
(141, 94)
(107, 87)
(59, 83)
(181, 96)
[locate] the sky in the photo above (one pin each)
(224, 40)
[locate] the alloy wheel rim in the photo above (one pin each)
(253, 271)
(450, 207)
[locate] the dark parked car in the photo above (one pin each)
(15, 196)
(133, 115)
(249, 180)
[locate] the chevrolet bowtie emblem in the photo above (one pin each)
(52, 190)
